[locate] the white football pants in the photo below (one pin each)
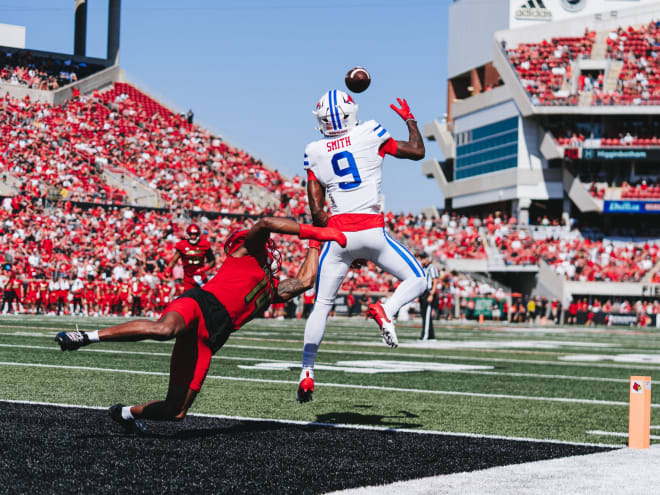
(374, 245)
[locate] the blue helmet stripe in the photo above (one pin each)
(337, 111)
(331, 107)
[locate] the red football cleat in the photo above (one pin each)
(387, 331)
(306, 387)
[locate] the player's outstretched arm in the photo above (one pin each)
(304, 280)
(412, 149)
(258, 235)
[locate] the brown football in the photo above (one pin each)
(357, 79)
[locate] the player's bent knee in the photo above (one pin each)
(164, 331)
(169, 326)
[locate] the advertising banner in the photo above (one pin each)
(625, 206)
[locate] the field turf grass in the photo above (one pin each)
(479, 396)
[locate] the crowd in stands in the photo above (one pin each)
(621, 139)
(450, 236)
(41, 72)
(118, 255)
(115, 257)
(545, 68)
(65, 148)
(640, 190)
(40, 145)
(596, 310)
(584, 260)
(639, 80)
(188, 165)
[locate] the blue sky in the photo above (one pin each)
(253, 70)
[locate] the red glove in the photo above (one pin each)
(322, 234)
(314, 244)
(404, 112)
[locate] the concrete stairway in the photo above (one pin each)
(612, 75)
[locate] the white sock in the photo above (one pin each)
(93, 336)
(126, 412)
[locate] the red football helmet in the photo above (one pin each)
(234, 240)
(193, 233)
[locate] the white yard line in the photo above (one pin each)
(343, 385)
(617, 434)
(335, 425)
(229, 358)
(403, 348)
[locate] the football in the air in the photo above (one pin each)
(357, 79)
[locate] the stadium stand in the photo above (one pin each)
(24, 68)
(545, 68)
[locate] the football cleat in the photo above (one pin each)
(306, 386)
(129, 425)
(387, 331)
(70, 341)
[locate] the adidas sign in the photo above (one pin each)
(534, 10)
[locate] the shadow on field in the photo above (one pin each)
(395, 421)
(255, 427)
(178, 431)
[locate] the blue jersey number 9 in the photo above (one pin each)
(350, 168)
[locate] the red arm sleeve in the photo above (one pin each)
(389, 147)
(311, 176)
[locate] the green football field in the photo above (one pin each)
(551, 383)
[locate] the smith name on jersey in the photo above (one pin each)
(349, 167)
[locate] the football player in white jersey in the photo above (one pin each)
(346, 165)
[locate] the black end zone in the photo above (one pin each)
(47, 449)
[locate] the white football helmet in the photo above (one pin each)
(336, 112)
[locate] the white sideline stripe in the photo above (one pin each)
(617, 434)
(334, 425)
(229, 358)
(342, 385)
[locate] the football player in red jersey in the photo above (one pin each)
(202, 319)
(196, 256)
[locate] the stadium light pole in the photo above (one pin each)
(114, 17)
(80, 28)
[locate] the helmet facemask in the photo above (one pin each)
(274, 257)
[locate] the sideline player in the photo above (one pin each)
(347, 166)
(202, 319)
(196, 256)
